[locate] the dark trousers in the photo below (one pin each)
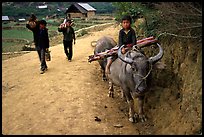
(41, 54)
(68, 45)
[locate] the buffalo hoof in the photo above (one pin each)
(105, 79)
(142, 118)
(111, 94)
(136, 116)
(134, 119)
(131, 119)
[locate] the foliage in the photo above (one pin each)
(174, 17)
(134, 9)
(54, 22)
(82, 33)
(52, 27)
(102, 7)
(24, 9)
(184, 18)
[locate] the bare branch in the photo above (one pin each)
(196, 9)
(190, 27)
(187, 23)
(181, 36)
(200, 15)
(176, 28)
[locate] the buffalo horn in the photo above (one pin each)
(124, 59)
(157, 57)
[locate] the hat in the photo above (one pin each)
(43, 22)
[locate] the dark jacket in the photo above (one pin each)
(68, 33)
(41, 39)
(129, 38)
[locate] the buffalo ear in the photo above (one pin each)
(159, 65)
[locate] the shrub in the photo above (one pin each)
(133, 8)
(82, 33)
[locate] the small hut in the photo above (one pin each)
(80, 10)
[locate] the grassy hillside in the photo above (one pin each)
(24, 9)
(15, 33)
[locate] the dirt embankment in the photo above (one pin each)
(175, 100)
(68, 97)
(183, 78)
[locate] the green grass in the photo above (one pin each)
(8, 24)
(14, 33)
(20, 31)
(11, 47)
(52, 28)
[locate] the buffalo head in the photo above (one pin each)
(140, 66)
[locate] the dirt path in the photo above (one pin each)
(64, 100)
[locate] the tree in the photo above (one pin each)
(182, 17)
(134, 9)
(172, 17)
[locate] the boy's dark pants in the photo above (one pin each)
(41, 54)
(68, 44)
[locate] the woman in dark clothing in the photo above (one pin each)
(127, 37)
(41, 40)
(69, 36)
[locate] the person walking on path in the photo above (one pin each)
(41, 40)
(69, 36)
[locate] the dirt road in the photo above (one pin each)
(64, 100)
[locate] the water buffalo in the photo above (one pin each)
(130, 72)
(104, 43)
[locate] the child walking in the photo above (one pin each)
(127, 37)
(69, 36)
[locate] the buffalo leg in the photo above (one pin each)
(104, 75)
(111, 90)
(122, 94)
(142, 117)
(131, 111)
(130, 101)
(103, 70)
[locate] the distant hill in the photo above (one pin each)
(103, 7)
(24, 9)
